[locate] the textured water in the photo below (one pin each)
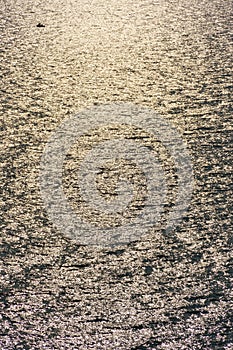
(163, 291)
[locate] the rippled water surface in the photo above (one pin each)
(160, 292)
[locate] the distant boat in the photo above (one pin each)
(40, 25)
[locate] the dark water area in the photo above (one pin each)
(162, 291)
